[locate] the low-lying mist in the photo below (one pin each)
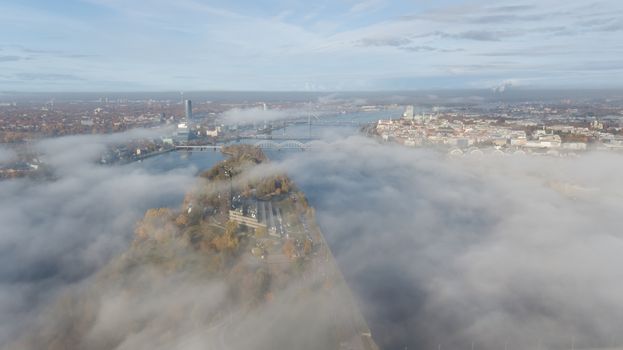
(492, 252)
(56, 233)
(6, 154)
(483, 253)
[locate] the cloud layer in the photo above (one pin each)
(6, 155)
(254, 115)
(490, 251)
(72, 279)
(298, 45)
(517, 252)
(56, 233)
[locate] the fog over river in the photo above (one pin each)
(492, 252)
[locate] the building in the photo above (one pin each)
(189, 110)
(213, 132)
(240, 217)
(183, 132)
(575, 146)
(550, 141)
(258, 214)
(408, 114)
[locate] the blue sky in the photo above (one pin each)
(97, 45)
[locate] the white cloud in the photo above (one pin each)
(367, 5)
(6, 155)
(491, 250)
(260, 51)
(56, 233)
(253, 115)
(523, 251)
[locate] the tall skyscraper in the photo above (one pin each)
(189, 110)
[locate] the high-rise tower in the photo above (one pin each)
(189, 110)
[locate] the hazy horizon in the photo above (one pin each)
(425, 96)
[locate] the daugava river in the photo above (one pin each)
(205, 160)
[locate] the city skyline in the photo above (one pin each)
(110, 45)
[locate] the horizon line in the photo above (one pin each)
(493, 90)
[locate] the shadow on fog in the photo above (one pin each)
(441, 253)
(486, 251)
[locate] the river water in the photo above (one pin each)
(205, 160)
(318, 197)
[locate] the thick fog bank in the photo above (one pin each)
(55, 233)
(516, 252)
(498, 252)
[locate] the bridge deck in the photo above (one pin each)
(263, 144)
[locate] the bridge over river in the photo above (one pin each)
(292, 145)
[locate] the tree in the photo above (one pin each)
(289, 249)
(260, 232)
(155, 224)
(307, 247)
(228, 241)
(182, 220)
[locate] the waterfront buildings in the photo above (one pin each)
(455, 131)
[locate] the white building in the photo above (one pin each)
(213, 132)
(408, 114)
(575, 146)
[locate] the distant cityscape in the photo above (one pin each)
(556, 128)
(181, 123)
(521, 129)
